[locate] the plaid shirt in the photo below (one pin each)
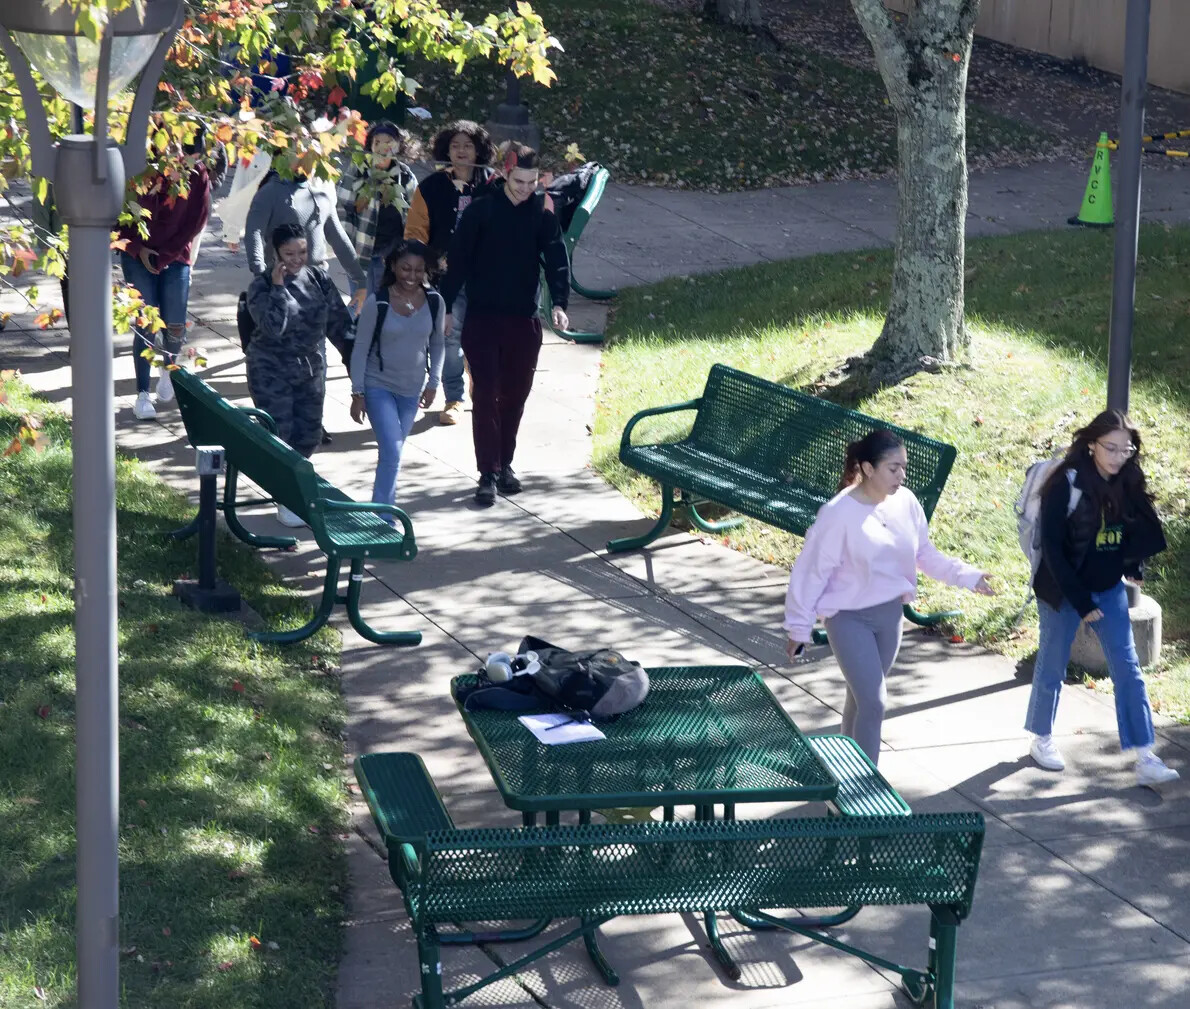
(363, 192)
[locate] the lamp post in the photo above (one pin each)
(88, 174)
(1132, 128)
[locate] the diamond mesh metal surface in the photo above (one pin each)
(705, 734)
(863, 790)
(650, 868)
(401, 795)
(776, 454)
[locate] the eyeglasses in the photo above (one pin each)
(1127, 452)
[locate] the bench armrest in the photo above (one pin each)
(408, 865)
(265, 419)
(653, 411)
(376, 509)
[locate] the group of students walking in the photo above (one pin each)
(1097, 524)
(443, 273)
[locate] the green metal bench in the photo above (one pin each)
(574, 231)
(595, 872)
(344, 529)
(768, 452)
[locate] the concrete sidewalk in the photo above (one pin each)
(1081, 896)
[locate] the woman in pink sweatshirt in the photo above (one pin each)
(857, 568)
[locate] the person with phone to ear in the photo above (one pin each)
(857, 568)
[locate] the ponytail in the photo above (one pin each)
(871, 448)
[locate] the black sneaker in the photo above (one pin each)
(508, 483)
(485, 493)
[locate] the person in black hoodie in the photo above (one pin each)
(465, 151)
(498, 249)
(1098, 525)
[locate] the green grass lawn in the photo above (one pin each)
(660, 95)
(1037, 306)
(232, 796)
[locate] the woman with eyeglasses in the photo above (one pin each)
(1098, 525)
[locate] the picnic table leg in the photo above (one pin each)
(636, 542)
(730, 967)
(362, 627)
(330, 593)
(592, 294)
(188, 530)
(465, 938)
(591, 941)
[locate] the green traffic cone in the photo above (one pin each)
(1096, 210)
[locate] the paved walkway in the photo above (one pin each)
(1081, 896)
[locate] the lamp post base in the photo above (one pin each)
(218, 598)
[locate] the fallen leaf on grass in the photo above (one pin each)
(254, 943)
(226, 965)
(237, 686)
(39, 993)
(44, 711)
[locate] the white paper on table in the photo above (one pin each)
(560, 728)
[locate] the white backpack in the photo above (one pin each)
(1028, 509)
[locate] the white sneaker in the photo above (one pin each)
(1152, 770)
(165, 387)
(143, 408)
(289, 518)
(1045, 752)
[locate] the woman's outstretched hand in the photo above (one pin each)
(983, 587)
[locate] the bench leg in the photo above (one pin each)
(237, 528)
(930, 619)
(330, 593)
(944, 928)
(592, 294)
(362, 628)
(710, 527)
(636, 542)
(188, 530)
(430, 963)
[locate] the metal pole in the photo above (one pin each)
(1132, 129)
(89, 207)
(206, 533)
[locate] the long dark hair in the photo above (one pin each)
(1116, 498)
(403, 248)
(871, 448)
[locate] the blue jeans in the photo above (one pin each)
(169, 293)
(392, 419)
(452, 366)
(1114, 630)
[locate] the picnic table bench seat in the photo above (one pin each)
(769, 452)
(345, 530)
(595, 872)
(863, 790)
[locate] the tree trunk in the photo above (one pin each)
(924, 61)
(924, 323)
(740, 13)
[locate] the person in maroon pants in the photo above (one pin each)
(499, 246)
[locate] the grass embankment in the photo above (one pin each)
(656, 94)
(1037, 306)
(231, 796)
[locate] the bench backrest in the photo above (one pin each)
(264, 458)
(649, 868)
(802, 439)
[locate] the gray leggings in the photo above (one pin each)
(865, 644)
